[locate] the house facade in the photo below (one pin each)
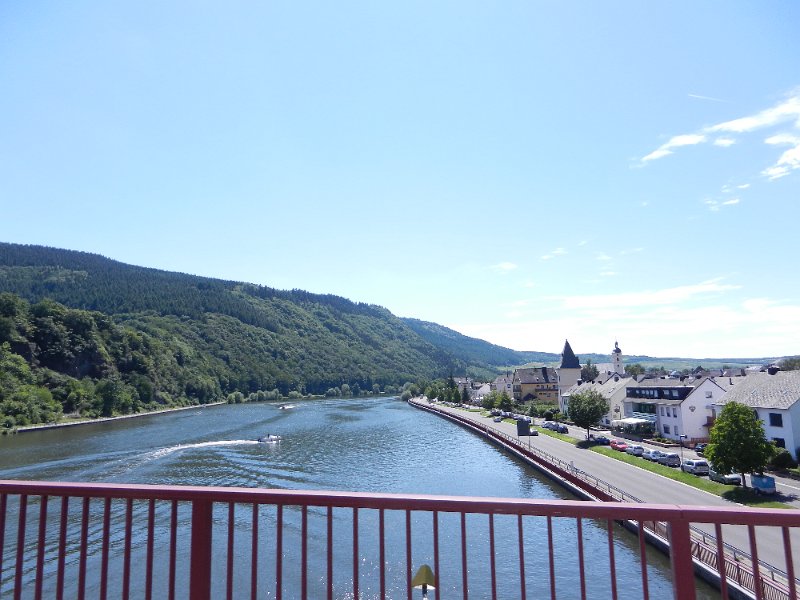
(678, 408)
(539, 383)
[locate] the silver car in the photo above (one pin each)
(730, 479)
(695, 466)
(670, 459)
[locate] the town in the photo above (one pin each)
(676, 407)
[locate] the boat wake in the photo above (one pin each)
(162, 452)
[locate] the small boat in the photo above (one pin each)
(286, 406)
(269, 439)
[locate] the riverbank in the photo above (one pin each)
(44, 426)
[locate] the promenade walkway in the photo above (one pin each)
(644, 485)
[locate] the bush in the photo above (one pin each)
(782, 460)
(548, 415)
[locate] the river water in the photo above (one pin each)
(370, 445)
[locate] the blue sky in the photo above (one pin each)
(523, 172)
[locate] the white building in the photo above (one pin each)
(775, 396)
(678, 408)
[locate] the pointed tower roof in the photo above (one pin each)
(568, 358)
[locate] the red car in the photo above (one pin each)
(619, 445)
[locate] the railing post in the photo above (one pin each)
(680, 554)
(200, 566)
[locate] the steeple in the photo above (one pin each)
(568, 358)
(616, 359)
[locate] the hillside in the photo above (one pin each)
(170, 338)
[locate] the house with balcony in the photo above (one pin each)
(775, 397)
(537, 383)
(680, 408)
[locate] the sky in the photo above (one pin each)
(522, 172)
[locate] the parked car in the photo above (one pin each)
(763, 484)
(730, 479)
(561, 428)
(498, 419)
(700, 448)
(654, 455)
(602, 440)
(534, 432)
(695, 466)
(620, 445)
(635, 449)
(549, 424)
(670, 459)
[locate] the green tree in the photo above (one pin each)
(587, 408)
(634, 370)
(589, 371)
(465, 397)
(489, 400)
(737, 442)
(504, 402)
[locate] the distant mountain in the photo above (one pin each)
(474, 351)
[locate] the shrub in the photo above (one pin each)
(782, 460)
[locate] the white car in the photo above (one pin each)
(635, 450)
(695, 466)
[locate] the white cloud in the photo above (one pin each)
(689, 139)
(603, 256)
(664, 297)
(748, 328)
(699, 97)
(786, 112)
(715, 205)
(504, 267)
(744, 186)
(554, 253)
(607, 273)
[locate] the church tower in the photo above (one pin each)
(616, 360)
(568, 373)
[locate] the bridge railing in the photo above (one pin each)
(77, 540)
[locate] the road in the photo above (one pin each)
(655, 489)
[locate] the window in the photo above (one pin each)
(779, 442)
(666, 429)
(674, 393)
(674, 412)
(776, 420)
(662, 411)
(708, 394)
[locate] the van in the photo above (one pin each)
(695, 466)
(670, 459)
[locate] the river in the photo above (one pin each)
(370, 445)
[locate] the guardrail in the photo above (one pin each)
(72, 540)
(756, 577)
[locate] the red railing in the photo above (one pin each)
(72, 540)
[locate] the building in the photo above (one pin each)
(679, 408)
(569, 373)
(775, 396)
(612, 388)
(503, 383)
(536, 383)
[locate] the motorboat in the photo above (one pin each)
(269, 439)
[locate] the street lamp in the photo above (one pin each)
(682, 437)
(424, 579)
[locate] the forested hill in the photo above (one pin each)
(171, 338)
(474, 351)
